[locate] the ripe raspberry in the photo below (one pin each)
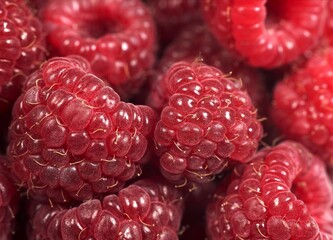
(274, 197)
(196, 41)
(8, 201)
(22, 48)
(71, 136)
(209, 120)
(172, 15)
(117, 37)
(303, 103)
(266, 33)
(147, 209)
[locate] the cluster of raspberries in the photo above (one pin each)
(166, 119)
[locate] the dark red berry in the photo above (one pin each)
(208, 122)
(172, 15)
(282, 193)
(303, 103)
(266, 33)
(147, 209)
(8, 201)
(22, 48)
(117, 37)
(72, 137)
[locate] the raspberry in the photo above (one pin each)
(266, 33)
(303, 103)
(147, 209)
(117, 37)
(196, 41)
(71, 136)
(8, 201)
(22, 48)
(329, 24)
(273, 197)
(172, 15)
(207, 122)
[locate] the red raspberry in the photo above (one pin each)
(172, 15)
(22, 48)
(303, 103)
(71, 136)
(8, 201)
(147, 209)
(266, 33)
(117, 37)
(195, 41)
(209, 120)
(274, 197)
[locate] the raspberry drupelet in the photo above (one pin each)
(71, 137)
(208, 122)
(282, 193)
(147, 209)
(22, 48)
(266, 33)
(117, 37)
(303, 103)
(9, 199)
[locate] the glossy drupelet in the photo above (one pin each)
(208, 122)
(22, 48)
(117, 37)
(283, 193)
(303, 103)
(148, 209)
(72, 137)
(266, 33)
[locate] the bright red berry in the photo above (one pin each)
(22, 48)
(72, 137)
(282, 193)
(147, 209)
(208, 122)
(8, 201)
(266, 33)
(303, 104)
(117, 37)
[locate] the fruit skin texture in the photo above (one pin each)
(22, 48)
(208, 122)
(266, 33)
(8, 201)
(117, 37)
(283, 193)
(193, 43)
(302, 105)
(71, 137)
(146, 209)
